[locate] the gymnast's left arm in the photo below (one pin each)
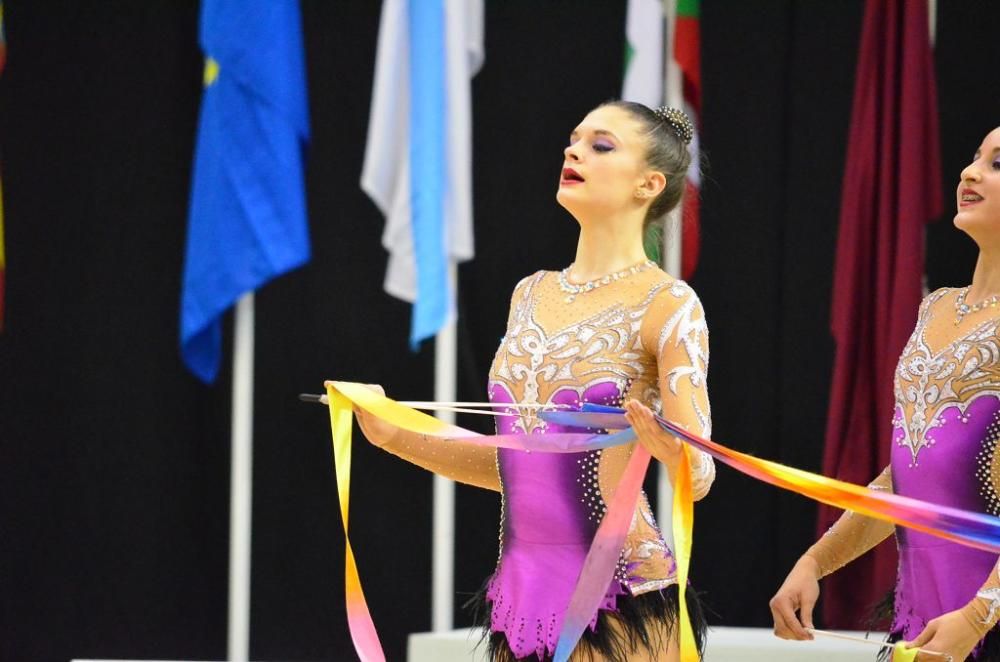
(983, 611)
(958, 632)
(674, 328)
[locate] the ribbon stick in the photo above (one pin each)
(414, 421)
(900, 653)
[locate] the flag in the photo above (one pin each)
(644, 53)
(644, 75)
(418, 156)
(687, 54)
(3, 259)
(891, 189)
(248, 208)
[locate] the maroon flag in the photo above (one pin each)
(892, 188)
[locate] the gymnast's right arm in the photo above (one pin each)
(466, 463)
(851, 536)
(474, 465)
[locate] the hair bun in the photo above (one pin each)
(678, 121)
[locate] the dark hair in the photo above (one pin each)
(668, 132)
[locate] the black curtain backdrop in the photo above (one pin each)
(114, 461)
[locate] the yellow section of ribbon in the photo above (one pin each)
(683, 527)
(393, 412)
(359, 620)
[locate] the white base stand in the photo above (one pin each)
(724, 645)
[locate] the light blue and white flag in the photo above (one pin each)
(418, 157)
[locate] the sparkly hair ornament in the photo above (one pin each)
(678, 121)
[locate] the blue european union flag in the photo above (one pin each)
(248, 209)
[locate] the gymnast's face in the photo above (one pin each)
(978, 194)
(603, 165)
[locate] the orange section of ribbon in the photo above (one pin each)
(683, 527)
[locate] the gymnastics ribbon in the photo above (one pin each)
(602, 557)
(343, 395)
(965, 527)
(359, 619)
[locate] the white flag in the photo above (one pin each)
(644, 50)
(385, 176)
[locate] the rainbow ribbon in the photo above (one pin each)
(602, 558)
(964, 527)
(968, 528)
(342, 396)
(359, 619)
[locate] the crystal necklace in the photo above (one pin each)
(576, 289)
(962, 309)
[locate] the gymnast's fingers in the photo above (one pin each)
(786, 623)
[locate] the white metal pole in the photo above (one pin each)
(673, 92)
(443, 537)
(241, 482)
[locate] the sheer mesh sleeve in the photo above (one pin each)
(983, 611)
(852, 535)
(676, 330)
(466, 463)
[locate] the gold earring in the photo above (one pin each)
(639, 193)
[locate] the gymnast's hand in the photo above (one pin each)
(377, 431)
(661, 444)
(951, 634)
(799, 592)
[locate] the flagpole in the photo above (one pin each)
(241, 482)
(443, 536)
(672, 235)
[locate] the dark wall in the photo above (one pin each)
(114, 461)
(778, 80)
(114, 487)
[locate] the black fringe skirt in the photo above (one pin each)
(644, 623)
